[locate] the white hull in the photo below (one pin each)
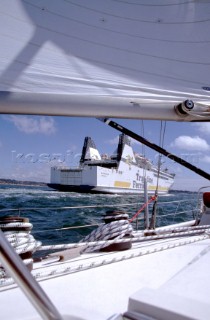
(103, 180)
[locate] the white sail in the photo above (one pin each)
(133, 59)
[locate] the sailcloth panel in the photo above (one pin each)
(119, 48)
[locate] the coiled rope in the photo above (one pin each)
(113, 230)
(18, 235)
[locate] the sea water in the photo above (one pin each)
(62, 217)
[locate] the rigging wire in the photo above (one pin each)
(146, 210)
(153, 146)
(161, 143)
(142, 133)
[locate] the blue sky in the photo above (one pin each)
(30, 145)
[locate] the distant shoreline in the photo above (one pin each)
(21, 183)
(43, 184)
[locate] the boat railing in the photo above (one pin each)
(200, 194)
(168, 212)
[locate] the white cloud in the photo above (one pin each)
(133, 141)
(205, 159)
(30, 125)
(190, 143)
(30, 172)
(203, 127)
(115, 141)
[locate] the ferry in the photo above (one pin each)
(123, 172)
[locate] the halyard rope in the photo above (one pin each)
(17, 240)
(108, 259)
(23, 241)
(136, 236)
(153, 198)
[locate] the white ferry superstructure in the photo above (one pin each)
(124, 172)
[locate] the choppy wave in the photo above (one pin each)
(54, 214)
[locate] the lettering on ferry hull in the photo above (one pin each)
(137, 185)
(150, 180)
(141, 178)
(139, 182)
